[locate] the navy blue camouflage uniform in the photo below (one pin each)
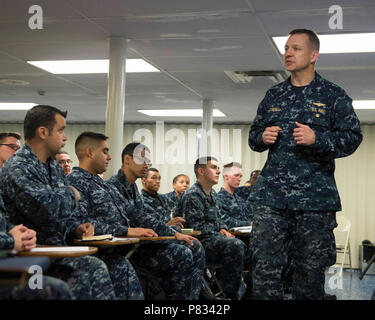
(172, 196)
(295, 197)
(180, 265)
(104, 207)
(159, 205)
(233, 209)
(36, 195)
(201, 212)
(53, 288)
(243, 192)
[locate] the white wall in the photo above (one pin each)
(355, 175)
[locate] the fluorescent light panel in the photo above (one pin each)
(338, 43)
(91, 66)
(364, 104)
(16, 105)
(180, 113)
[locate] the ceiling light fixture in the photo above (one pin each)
(91, 66)
(364, 104)
(179, 113)
(11, 106)
(338, 43)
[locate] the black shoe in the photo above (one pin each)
(206, 295)
(329, 296)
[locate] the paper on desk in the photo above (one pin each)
(60, 249)
(242, 229)
(100, 237)
(115, 239)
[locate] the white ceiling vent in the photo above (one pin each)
(248, 76)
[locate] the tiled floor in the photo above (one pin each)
(350, 287)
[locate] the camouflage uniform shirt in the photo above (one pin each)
(302, 177)
(200, 211)
(138, 216)
(158, 204)
(36, 195)
(234, 211)
(101, 203)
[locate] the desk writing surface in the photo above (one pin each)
(240, 233)
(115, 241)
(157, 238)
(59, 251)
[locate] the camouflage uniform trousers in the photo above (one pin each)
(52, 289)
(177, 263)
(313, 249)
(124, 278)
(87, 277)
(231, 254)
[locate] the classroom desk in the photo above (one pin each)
(238, 233)
(194, 233)
(55, 254)
(115, 241)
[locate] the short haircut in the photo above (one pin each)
(202, 163)
(233, 164)
(86, 139)
(40, 116)
(4, 135)
(131, 148)
(178, 176)
(228, 166)
(61, 152)
(313, 38)
(151, 169)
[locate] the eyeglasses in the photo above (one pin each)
(61, 162)
(15, 147)
(142, 160)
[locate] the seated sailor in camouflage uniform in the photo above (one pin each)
(234, 211)
(35, 194)
(180, 183)
(305, 123)
(198, 206)
(103, 206)
(158, 204)
(179, 263)
(21, 238)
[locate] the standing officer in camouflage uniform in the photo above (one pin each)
(35, 194)
(158, 204)
(103, 206)
(198, 206)
(233, 209)
(305, 122)
(179, 263)
(21, 238)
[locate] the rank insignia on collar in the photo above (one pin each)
(275, 109)
(319, 104)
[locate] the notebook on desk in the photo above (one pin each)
(101, 237)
